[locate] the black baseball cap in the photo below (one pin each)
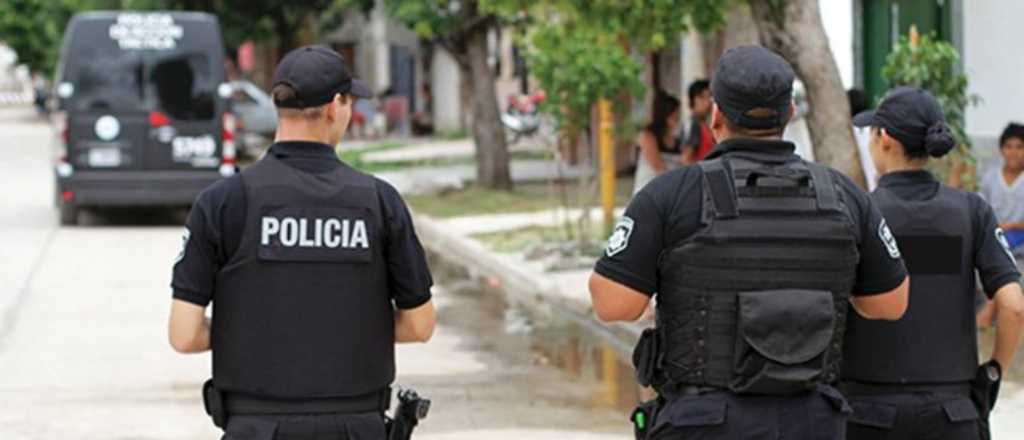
(752, 77)
(317, 74)
(906, 114)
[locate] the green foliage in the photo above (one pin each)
(931, 65)
(577, 66)
(582, 50)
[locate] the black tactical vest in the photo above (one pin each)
(936, 340)
(756, 300)
(302, 309)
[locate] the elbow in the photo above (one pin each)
(607, 314)
(181, 345)
(423, 333)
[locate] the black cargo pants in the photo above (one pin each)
(918, 415)
(366, 426)
(818, 415)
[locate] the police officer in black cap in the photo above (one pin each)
(915, 378)
(314, 271)
(754, 255)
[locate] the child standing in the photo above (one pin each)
(1003, 188)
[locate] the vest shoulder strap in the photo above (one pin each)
(719, 182)
(824, 187)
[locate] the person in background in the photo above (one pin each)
(859, 102)
(1003, 187)
(699, 140)
(658, 144)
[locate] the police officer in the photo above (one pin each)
(912, 379)
(314, 270)
(754, 255)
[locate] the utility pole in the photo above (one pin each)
(606, 145)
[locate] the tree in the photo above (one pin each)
(793, 28)
(581, 50)
(461, 28)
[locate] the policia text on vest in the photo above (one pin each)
(332, 232)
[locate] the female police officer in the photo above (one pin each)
(912, 379)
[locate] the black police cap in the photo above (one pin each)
(907, 114)
(317, 74)
(752, 77)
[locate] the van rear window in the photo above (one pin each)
(142, 62)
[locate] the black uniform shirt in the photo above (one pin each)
(214, 228)
(993, 260)
(668, 211)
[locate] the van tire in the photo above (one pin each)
(68, 214)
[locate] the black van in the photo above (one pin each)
(142, 110)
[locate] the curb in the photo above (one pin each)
(523, 287)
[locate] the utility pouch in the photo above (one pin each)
(643, 417)
(647, 356)
(782, 340)
(213, 401)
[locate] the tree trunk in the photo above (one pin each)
(492, 159)
(794, 30)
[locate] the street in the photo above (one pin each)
(84, 351)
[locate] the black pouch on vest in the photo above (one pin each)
(646, 356)
(213, 401)
(782, 340)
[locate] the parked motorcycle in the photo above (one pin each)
(522, 115)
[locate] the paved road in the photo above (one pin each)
(83, 351)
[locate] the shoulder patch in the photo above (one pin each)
(888, 239)
(619, 239)
(184, 245)
(1001, 238)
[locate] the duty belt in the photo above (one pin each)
(220, 404)
(869, 388)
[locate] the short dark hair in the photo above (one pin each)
(696, 88)
(284, 92)
(761, 112)
(1012, 130)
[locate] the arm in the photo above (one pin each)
(1012, 226)
(649, 148)
(189, 330)
(1009, 318)
(889, 305)
(616, 302)
(689, 155)
(415, 324)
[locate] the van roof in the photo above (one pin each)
(110, 15)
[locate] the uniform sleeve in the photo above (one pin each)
(992, 256)
(881, 267)
(631, 256)
(197, 263)
(409, 277)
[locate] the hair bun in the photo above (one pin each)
(939, 140)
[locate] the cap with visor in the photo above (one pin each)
(317, 74)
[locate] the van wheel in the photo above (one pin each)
(68, 214)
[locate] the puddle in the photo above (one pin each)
(578, 346)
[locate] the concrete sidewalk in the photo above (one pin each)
(420, 180)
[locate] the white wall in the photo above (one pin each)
(994, 66)
(837, 16)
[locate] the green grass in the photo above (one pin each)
(354, 158)
(531, 197)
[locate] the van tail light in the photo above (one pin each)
(61, 125)
(158, 119)
(228, 152)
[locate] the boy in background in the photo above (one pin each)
(1003, 188)
(699, 140)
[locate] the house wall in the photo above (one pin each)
(994, 67)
